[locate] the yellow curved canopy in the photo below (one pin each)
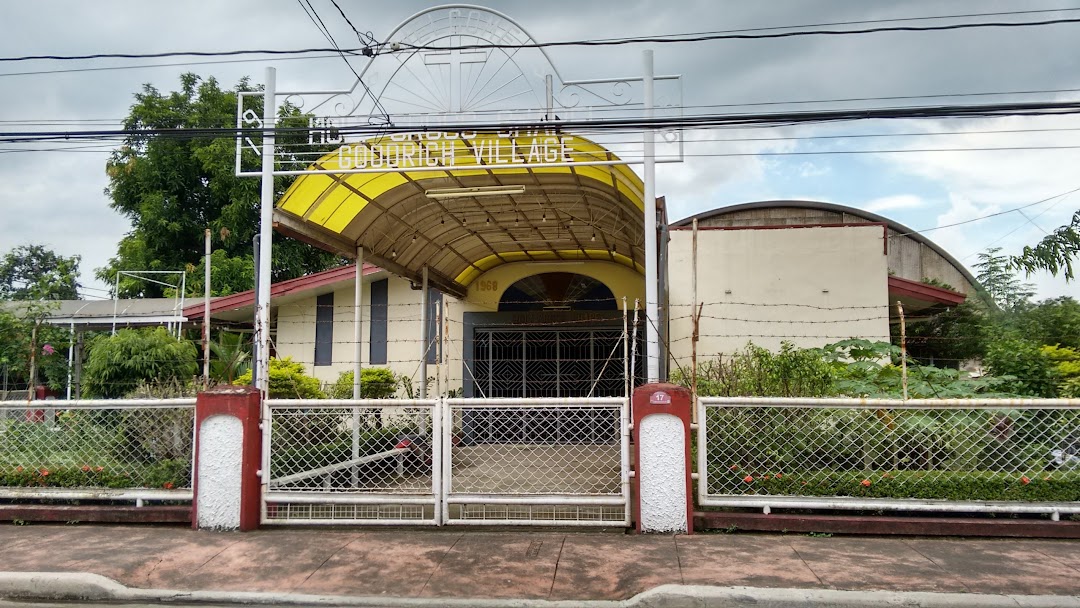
(555, 208)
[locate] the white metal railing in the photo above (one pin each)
(330, 461)
(561, 462)
(944, 455)
(108, 449)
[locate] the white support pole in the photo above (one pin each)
(71, 359)
(358, 300)
(115, 302)
(425, 339)
(358, 321)
(266, 218)
(652, 306)
(628, 385)
(206, 313)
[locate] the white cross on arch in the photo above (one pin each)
(455, 58)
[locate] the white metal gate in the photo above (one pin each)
(561, 462)
(345, 461)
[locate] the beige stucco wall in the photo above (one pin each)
(751, 279)
(908, 258)
(296, 334)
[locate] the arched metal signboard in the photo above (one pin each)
(457, 91)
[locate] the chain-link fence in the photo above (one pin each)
(122, 449)
(537, 461)
(970, 455)
(337, 461)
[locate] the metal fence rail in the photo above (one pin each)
(122, 449)
(346, 461)
(992, 455)
(558, 462)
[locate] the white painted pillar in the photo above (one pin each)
(652, 287)
(228, 459)
(266, 218)
(662, 481)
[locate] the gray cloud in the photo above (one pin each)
(57, 198)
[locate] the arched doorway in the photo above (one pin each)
(557, 291)
(556, 334)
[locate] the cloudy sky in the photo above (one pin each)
(900, 170)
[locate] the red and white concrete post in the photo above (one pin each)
(228, 457)
(662, 483)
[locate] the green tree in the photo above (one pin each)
(950, 337)
(32, 272)
(173, 188)
(227, 275)
(1054, 321)
(1029, 371)
(1054, 253)
(119, 364)
(998, 278)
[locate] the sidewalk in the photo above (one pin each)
(534, 564)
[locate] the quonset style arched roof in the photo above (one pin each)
(543, 213)
(896, 230)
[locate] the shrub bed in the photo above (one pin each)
(1043, 486)
(167, 474)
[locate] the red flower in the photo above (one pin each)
(734, 467)
(168, 485)
(99, 469)
(779, 475)
(85, 468)
(748, 479)
(765, 476)
(1024, 480)
(865, 483)
(19, 469)
(44, 472)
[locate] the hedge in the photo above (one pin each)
(167, 474)
(1045, 486)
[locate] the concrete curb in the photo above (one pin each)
(69, 587)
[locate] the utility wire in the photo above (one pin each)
(374, 99)
(990, 215)
(666, 39)
(598, 125)
(715, 37)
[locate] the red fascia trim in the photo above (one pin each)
(923, 292)
(884, 228)
(299, 284)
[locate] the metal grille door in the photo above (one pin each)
(535, 363)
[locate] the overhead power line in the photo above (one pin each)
(990, 215)
(716, 37)
(596, 125)
(663, 39)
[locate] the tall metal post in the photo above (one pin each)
(266, 217)
(255, 322)
(652, 306)
(358, 320)
(206, 313)
(426, 337)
